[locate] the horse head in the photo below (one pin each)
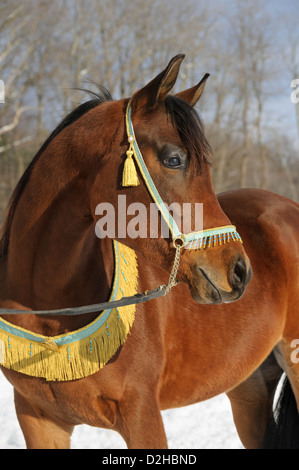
(177, 157)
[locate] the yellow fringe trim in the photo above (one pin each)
(77, 359)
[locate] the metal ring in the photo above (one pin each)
(179, 242)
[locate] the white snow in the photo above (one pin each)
(206, 425)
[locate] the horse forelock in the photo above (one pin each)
(190, 129)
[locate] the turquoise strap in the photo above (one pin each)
(149, 182)
(210, 233)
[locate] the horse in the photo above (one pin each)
(181, 349)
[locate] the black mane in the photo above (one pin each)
(97, 98)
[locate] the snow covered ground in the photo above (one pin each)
(207, 425)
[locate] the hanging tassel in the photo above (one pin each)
(130, 177)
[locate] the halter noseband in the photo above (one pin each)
(194, 240)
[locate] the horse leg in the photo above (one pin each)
(140, 422)
(252, 401)
(40, 432)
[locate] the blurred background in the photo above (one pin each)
(251, 50)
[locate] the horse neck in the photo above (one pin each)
(54, 259)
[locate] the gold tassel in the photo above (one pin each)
(130, 177)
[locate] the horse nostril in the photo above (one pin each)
(239, 274)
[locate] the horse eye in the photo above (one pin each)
(173, 162)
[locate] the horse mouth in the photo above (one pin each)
(214, 295)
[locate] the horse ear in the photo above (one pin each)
(157, 89)
(193, 94)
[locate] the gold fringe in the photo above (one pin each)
(84, 357)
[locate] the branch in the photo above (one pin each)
(12, 16)
(16, 143)
(15, 121)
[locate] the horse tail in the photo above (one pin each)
(283, 429)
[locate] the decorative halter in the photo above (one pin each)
(195, 240)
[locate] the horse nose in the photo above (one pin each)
(240, 275)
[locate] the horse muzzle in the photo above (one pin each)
(209, 288)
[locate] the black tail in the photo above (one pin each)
(283, 429)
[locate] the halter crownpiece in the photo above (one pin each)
(202, 239)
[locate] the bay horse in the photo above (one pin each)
(178, 352)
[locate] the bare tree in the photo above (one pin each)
(49, 48)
